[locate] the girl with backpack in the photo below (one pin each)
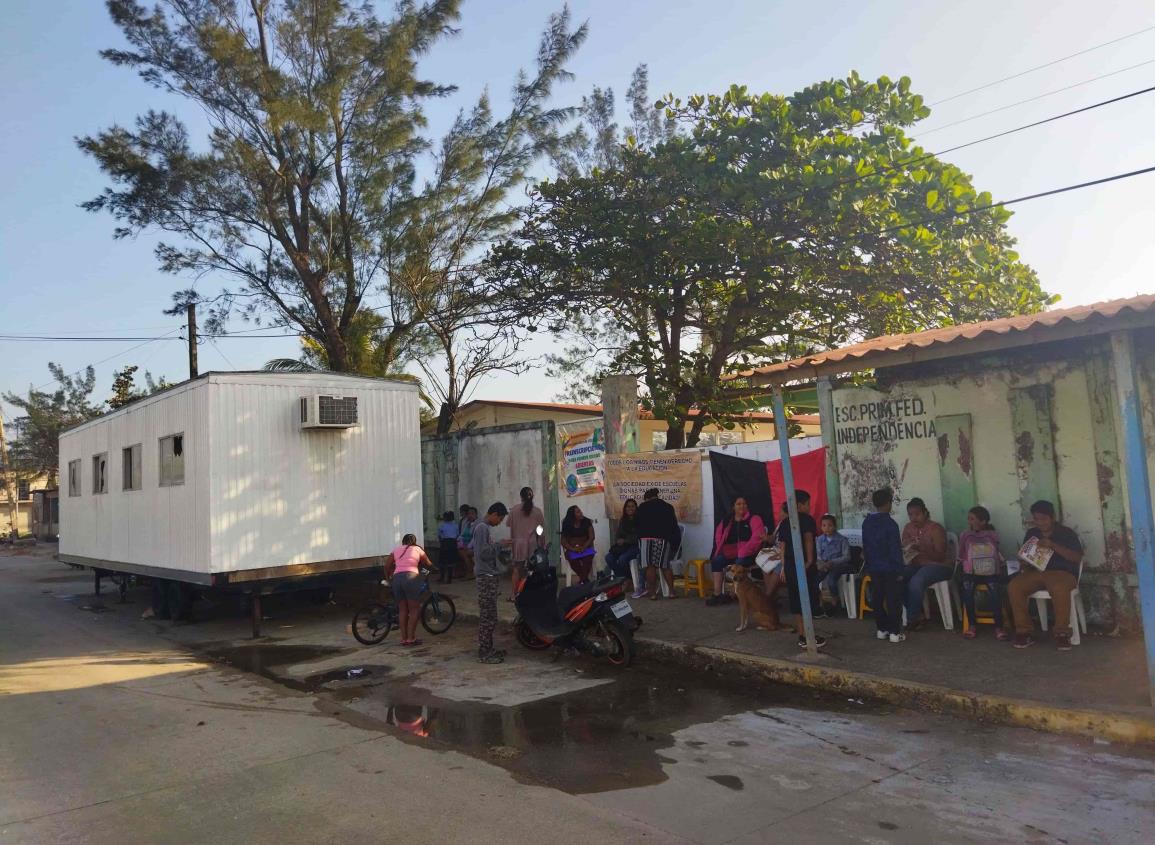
(982, 563)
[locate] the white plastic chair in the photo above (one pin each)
(635, 568)
(949, 602)
(847, 591)
(945, 592)
(636, 575)
(674, 555)
(1078, 612)
(848, 595)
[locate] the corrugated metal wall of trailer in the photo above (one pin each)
(153, 526)
(281, 495)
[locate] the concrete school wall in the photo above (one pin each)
(1003, 431)
(481, 466)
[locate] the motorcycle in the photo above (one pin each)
(594, 618)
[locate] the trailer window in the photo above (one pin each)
(172, 460)
(100, 473)
(130, 467)
(74, 478)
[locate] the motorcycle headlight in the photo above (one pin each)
(601, 597)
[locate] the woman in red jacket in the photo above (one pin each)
(736, 540)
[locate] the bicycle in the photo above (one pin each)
(373, 622)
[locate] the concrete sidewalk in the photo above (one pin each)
(1097, 689)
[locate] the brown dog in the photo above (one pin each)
(752, 602)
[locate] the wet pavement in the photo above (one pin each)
(590, 729)
(677, 749)
(124, 730)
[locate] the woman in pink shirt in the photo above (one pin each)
(523, 522)
(406, 561)
(736, 540)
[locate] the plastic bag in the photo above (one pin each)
(767, 561)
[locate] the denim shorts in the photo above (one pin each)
(406, 586)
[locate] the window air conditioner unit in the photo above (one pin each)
(322, 411)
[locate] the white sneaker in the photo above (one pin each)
(882, 635)
(898, 638)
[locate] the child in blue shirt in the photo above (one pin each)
(833, 557)
(447, 556)
(882, 549)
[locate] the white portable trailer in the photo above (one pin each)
(243, 480)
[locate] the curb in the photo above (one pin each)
(1124, 728)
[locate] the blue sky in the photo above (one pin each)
(63, 274)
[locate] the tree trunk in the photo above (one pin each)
(336, 351)
(445, 418)
(676, 435)
(695, 432)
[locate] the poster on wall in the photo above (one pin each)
(677, 475)
(583, 462)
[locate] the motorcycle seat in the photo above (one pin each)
(546, 621)
(569, 596)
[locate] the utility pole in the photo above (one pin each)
(191, 308)
(9, 484)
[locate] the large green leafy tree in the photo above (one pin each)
(45, 415)
(764, 227)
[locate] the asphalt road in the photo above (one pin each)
(114, 730)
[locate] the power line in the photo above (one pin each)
(956, 214)
(1036, 97)
(81, 339)
(165, 336)
(1091, 107)
(96, 332)
(221, 352)
(235, 336)
(1040, 67)
(925, 156)
(145, 342)
(62, 338)
(257, 329)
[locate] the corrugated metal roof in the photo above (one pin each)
(1006, 332)
(596, 410)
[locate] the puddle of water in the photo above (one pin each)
(264, 658)
(592, 739)
(369, 675)
(597, 739)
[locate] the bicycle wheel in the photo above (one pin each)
(372, 623)
(438, 614)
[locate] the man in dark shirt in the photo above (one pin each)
(809, 530)
(1059, 579)
(657, 521)
(882, 551)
